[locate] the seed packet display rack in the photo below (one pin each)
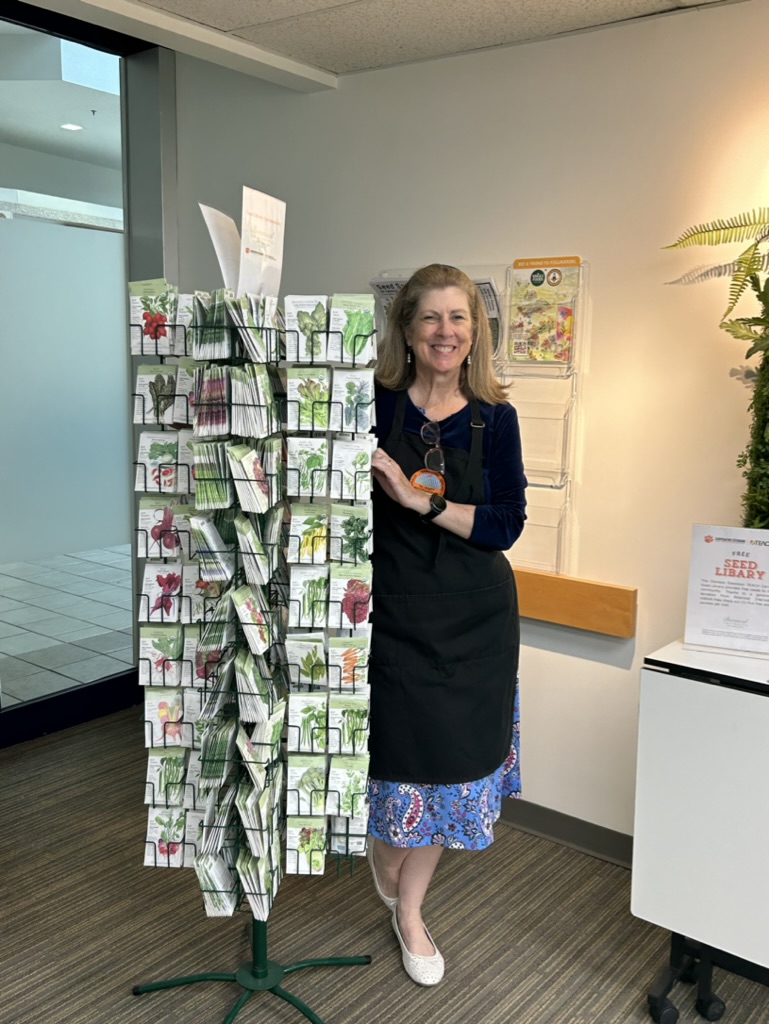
(199, 536)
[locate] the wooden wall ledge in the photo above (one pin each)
(584, 604)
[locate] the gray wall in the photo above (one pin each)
(51, 175)
(606, 145)
(64, 415)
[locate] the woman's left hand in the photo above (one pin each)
(396, 485)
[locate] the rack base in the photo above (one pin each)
(261, 975)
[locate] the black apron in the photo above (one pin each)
(445, 639)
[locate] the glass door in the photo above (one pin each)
(65, 501)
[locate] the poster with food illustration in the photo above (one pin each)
(542, 304)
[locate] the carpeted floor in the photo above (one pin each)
(532, 932)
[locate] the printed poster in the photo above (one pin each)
(728, 598)
(543, 295)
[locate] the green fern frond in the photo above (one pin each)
(743, 226)
(741, 329)
(748, 264)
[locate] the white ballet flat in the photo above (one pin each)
(424, 970)
(391, 902)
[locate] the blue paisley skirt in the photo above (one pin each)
(460, 816)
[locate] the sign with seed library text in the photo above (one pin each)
(728, 598)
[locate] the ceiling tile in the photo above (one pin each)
(379, 33)
(226, 15)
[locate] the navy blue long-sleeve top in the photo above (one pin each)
(499, 520)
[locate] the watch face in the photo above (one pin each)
(437, 503)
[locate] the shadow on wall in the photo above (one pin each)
(578, 643)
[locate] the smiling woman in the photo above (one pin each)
(444, 650)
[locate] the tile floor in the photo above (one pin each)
(64, 621)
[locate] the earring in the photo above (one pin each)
(469, 359)
(408, 356)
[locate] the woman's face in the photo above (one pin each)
(441, 333)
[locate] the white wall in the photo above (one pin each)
(606, 145)
(64, 417)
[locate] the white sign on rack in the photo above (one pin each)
(728, 598)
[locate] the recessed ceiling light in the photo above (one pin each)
(72, 127)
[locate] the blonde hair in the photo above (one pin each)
(393, 369)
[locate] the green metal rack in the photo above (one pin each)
(261, 975)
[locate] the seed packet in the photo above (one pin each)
(349, 596)
(350, 533)
(351, 467)
(160, 653)
(308, 597)
(166, 769)
(347, 786)
(306, 324)
(307, 398)
(306, 784)
(156, 462)
(347, 724)
(352, 400)
(305, 658)
(348, 664)
(154, 394)
(351, 330)
(164, 844)
(305, 846)
(307, 533)
(307, 719)
(306, 467)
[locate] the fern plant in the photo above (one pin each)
(745, 273)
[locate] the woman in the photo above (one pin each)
(444, 655)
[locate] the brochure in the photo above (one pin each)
(543, 296)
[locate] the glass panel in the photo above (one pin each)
(65, 557)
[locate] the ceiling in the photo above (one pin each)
(342, 36)
(303, 44)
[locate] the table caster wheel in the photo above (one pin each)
(663, 1012)
(711, 1009)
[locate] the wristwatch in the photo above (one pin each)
(437, 505)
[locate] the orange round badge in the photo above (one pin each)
(428, 480)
